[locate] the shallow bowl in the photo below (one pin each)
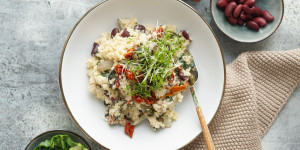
(88, 112)
(243, 33)
(49, 134)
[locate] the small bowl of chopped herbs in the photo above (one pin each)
(58, 140)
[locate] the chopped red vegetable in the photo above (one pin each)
(129, 53)
(148, 100)
(129, 128)
(118, 68)
(159, 31)
(176, 89)
(129, 75)
(118, 82)
(172, 77)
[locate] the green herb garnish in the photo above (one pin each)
(155, 62)
(60, 142)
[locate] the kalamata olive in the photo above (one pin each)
(95, 49)
(252, 25)
(114, 32)
(260, 21)
(185, 34)
(243, 16)
(240, 21)
(256, 11)
(125, 33)
(232, 20)
(266, 14)
(140, 28)
(250, 3)
(105, 93)
(229, 8)
(247, 9)
(237, 11)
(182, 76)
(222, 3)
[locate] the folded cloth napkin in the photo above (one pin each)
(258, 84)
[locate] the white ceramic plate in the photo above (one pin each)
(88, 112)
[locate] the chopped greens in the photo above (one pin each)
(156, 58)
(105, 73)
(60, 142)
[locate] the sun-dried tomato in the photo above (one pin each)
(148, 100)
(129, 128)
(172, 77)
(118, 69)
(118, 82)
(160, 30)
(129, 75)
(129, 53)
(176, 89)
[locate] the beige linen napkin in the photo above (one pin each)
(258, 85)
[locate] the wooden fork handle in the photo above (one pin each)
(206, 134)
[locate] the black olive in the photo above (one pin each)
(140, 27)
(185, 34)
(125, 33)
(114, 32)
(182, 76)
(95, 49)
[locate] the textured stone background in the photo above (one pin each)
(32, 35)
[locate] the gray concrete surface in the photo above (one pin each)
(32, 35)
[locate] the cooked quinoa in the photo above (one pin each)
(140, 72)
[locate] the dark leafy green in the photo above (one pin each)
(60, 142)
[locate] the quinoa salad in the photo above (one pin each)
(139, 72)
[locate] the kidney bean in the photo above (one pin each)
(232, 20)
(256, 11)
(125, 33)
(249, 17)
(114, 32)
(243, 16)
(229, 8)
(260, 21)
(247, 9)
(237, 11)
(250, 3)
(241, 1)
(240, 21)
(140, 27)
(222, 3)
(266, 14)
(252, 25)
(95, 49)
(185, 34)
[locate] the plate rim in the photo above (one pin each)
(67, 41)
